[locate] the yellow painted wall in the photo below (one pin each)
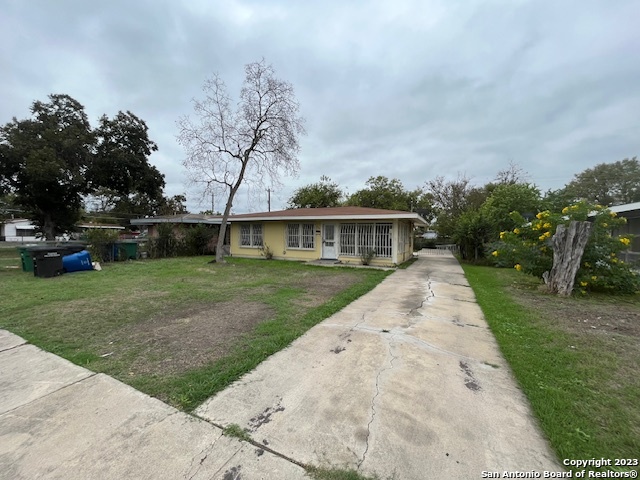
(407, 253)
(273, 236)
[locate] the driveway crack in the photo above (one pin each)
(429, 295)
(202, 456)
(392, 358)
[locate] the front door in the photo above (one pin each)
(329, 241)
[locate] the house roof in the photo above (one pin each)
(629, 210)
(301, 214)
(100, 226)
(16, 220)
(330, 213)
(185, 218)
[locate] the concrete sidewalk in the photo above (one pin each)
(405, 382)
(61, 421)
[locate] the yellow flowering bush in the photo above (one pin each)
(529, 248)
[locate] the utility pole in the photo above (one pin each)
(269, 198)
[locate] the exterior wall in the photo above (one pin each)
(11, 229)
(152, 231)
(405, 241)
(274, 236)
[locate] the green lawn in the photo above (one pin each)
(576, 359)
(180, 329)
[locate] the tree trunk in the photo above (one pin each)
(227, 208)
(223, 229)
(568, 247)
(48, 228)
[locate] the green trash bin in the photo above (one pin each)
(127, 250)
(25, 259)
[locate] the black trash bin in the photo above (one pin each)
(70, 248)
(47, 261)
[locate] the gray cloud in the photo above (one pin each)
(407, 89)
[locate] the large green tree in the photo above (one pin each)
(324, 193)
(121, 157)
(390, 194)
(510, 197)
(607, 183)
(45, 161)
(175, 205)
(52, 160)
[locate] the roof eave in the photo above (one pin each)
(392, 216)
(154, 221)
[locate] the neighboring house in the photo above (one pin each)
(630, 211)
(22, 230)
(18, 230)
(340, 233)
(178, 222)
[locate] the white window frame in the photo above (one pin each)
(251, 235)
(300, 236)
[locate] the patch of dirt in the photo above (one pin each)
(582, 316)
(321, 288)
(174, 343)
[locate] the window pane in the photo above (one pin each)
(365, 238)
(256, 235)
(308, 235)
(245, 235)
(293, 235)
(383, 240)
(348, 239)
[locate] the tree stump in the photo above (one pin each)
(568, 247)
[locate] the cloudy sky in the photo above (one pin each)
(406, 89)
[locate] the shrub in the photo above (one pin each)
(367, 256)
(266, 252)
(419, 243)
(165, 244)
(197, 240)
(101, 244)
(528, 248)
(471, 232)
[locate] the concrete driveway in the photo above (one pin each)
(405, 382)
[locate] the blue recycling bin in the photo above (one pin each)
(77, 262)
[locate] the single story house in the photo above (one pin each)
(23, 230)
(18, 230)
(339, 233)
(630, 211)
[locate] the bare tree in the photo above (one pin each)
(450, 198)
(251, 145)
(511, 175)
